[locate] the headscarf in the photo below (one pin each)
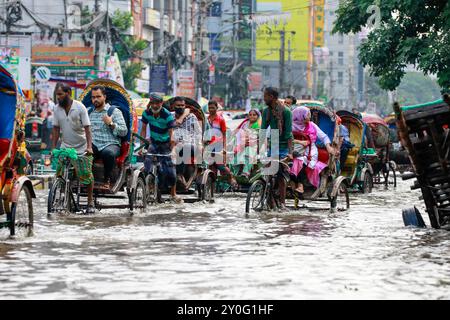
(299, 124)
(257, 124)
(299, 117)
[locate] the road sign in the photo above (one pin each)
(43, 74)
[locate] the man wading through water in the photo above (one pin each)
(72, 120)
(278, 117)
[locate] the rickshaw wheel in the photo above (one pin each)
(207, 193)
(367, 183)
(138, 196)
(22, 213)
(57, 198)
(390, 177)
(255, 196)
(153, 195)
(341, 201)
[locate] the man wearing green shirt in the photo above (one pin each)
(279, 117)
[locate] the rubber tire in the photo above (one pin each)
(412, 217)
(30, 212)
(367, 180)
(204, 188)
(139, 185)
(156, 194)
(250, 191)
(333, 202)
(51, 195)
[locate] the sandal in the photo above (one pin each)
(177, 200)
(90, 210)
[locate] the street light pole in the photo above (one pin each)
(282, 58)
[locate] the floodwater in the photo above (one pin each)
(213, 251)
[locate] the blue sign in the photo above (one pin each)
(159, 79)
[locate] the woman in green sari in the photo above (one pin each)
(246, 142)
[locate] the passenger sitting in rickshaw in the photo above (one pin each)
(161, 124)
(215, 140)
(108, 127)
(246, 145)
(305, 163)
(344, 142)
(187, 136)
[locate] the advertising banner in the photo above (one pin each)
(319, 23)
(62, 57)
(15, 56)
(114, 69)
(268, 38)
(159, 79)
(186, 85)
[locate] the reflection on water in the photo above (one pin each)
(212, 251)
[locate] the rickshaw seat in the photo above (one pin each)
(124, 150)
(324, 156)
(4, 148)
(352, 156)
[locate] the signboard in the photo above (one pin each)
(15, 54)
(255, 83)
(319, 22)
(142, 86)
(42, 74)
(95, 74)
(112, 66)
(159, 78)
(268, 38)
(62, 57)
(186, 85)
(136, 9)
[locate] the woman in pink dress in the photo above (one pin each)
(305, 150)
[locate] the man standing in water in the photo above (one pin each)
(279, 117)
(71, 119)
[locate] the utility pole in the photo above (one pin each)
(97, 39)
(174, 72)
(161, 27)
(198, 50)
(290, 66)
(282, 58)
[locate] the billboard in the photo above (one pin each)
(15, 56)
(80, 57)
(319, 22)
(186, 85)
(159, 79)
(268, 38)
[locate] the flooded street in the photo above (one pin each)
(212, 251)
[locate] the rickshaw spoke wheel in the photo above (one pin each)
(152, 189)
(207, 190)
(341, 201)
(22, 214)
(255, 197)
(138, 195)
(57, 197)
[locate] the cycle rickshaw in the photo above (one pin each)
(16, 189)
(357, 168)
(383, 167)
(68, 195)
(397, 152)
(198, 179)
(332, 188)
(424, 132)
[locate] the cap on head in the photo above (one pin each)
(154, 97)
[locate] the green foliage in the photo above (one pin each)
(415, 88)
(127, 48)
(410, 32)
(122, 20)
(131, 71)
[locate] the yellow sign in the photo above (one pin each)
(319, 22)
(293, 19)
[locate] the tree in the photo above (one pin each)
(409, 32)
(415, 88)
(126, 47)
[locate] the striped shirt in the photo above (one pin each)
(159, 127)
(102, 135)
(189, 132)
